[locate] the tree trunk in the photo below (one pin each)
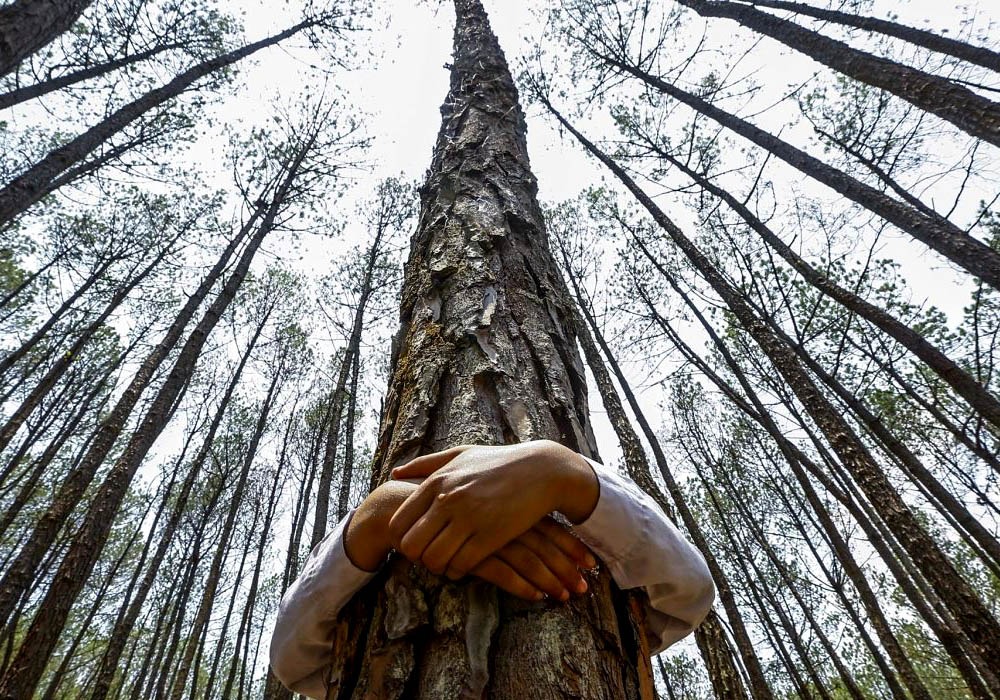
(485, 355)
(937, 233)
(978, 55)
(797, 460)
(28, 25)
(65, 359)
(347, 473)
(18, 576)
(30, 92)
(962, 107)
(34, 183)
(962, 601)
(201, 618)
(128, 614)
(11, 358)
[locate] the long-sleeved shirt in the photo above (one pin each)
(627, 530)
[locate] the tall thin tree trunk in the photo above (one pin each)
(485, 355)
(128, 614)
(28, 25)
(34, 183)
(347, 473)
(201, 618)
(90, 537)
(722, 670)
(954, 103)
(964, 384)
(935, 232)
(45, 87)
(978, 55)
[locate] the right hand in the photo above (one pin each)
(544, 560)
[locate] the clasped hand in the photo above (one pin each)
(485, 511)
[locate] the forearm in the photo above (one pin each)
(576, 488)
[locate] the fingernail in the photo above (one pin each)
(581, 586)
(539, 595)
(564, 595)
(591, 562)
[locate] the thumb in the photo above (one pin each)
(427, 464)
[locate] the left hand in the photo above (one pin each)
(475, 500)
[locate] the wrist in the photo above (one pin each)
(575, 486)
(365, 542)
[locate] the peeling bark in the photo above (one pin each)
(486, 354)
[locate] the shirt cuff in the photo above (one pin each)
(642, 548)
(300, 645)
(615, 527)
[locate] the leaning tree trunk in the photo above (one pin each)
(28, 25)
(959, 105)
(979, 55)
(39, 179)
(971, 254)
(485, 355)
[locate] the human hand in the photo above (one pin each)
(475, 500)
(544, 560)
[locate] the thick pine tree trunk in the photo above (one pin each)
(485, 355)
(28, 25)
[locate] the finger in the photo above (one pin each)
(471, 554)
(426, 465)
(567, 542)
(555, 559)
(529, 566)
(423, 532)
(500, 574)
(409, 511)
(440, 551)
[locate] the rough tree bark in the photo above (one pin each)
(28, 25)
(711, 638)
(486, 355)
